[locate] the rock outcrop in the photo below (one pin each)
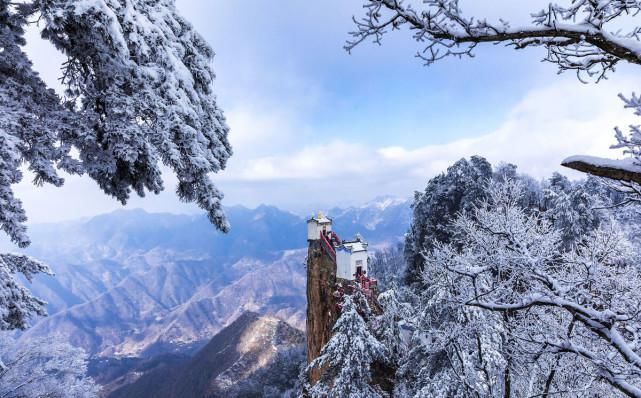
(321, 306)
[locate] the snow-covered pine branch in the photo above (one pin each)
(31, 119)
(139, 94)
(17, 304)
(140, 77)
(347, 357)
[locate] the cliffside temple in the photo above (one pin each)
(335, 267)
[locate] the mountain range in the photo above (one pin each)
(134, 284)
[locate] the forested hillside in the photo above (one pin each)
(509, 286)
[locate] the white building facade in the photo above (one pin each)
(318, 224)
(351, 259)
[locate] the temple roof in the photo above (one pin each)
(320, 219)
(353, 246)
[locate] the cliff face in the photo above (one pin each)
(321, 308)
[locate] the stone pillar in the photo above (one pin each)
(321, 307)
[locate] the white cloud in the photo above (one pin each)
(549, 124)
(329, 160)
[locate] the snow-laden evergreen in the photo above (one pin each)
(31, 119)
(139, 95)
(347, 357)
(569, 207)
(387, 266)
(387, 326)
(17, 303)
(458, 189)
(140, 77)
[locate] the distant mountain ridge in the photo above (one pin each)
(253, 353)
(383, 220)
(131, 283)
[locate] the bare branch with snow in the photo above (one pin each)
(578, 306)
(577, 37)
(584, 37)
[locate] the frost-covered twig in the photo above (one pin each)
(576, 37)
(584, 37)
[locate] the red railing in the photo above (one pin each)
(366, 284)
(327, 246)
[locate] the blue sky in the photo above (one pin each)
(313, 126)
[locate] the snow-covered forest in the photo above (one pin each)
(504, 284)
(512, 287)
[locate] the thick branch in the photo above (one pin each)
(573, 46)
(621, 170)
(599, 322)
(615, 380)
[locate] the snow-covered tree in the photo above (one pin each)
(458, 189)
(455, 350)
(387, 326)
(140, 77)
(138, 95)
(532, 198)
(570, 208)
(588, 37)
(568, 321)
(387, 266)
(44, 368)
(347, 357)
(31, 119)
(618, 205)
(17, 304)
